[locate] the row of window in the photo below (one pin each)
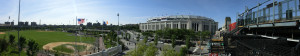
(162, 26)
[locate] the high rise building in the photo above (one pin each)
(26, 24)
(12, 23)
(33, 24)
(89, 24)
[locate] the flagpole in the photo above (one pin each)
(76, 21)
(76, 36)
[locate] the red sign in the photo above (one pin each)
(213, 54)
(232, 26)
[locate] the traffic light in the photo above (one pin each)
(222, 44)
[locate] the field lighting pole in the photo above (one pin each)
(19, 28)
(118, 29)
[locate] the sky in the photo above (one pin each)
(58, 12)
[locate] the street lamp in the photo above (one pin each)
(118, 29)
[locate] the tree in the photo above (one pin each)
(11, 39)
(183, 51)
(146, 34)
(3, 45)
(140, 51)
(146, 39)
(113, 36)
(151, 50)
(22, 42)
(33, 48)
(138, 38)
(129, 36)
(167, 51)
(122, 34)
(159, 33)
(187, 41)
(126, 34)
(205, 34)
(173, 41)
(155, 40)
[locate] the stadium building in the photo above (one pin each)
(196, 23)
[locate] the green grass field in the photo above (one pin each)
(63, 48)
(42, 38)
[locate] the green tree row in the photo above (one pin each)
(8, 47)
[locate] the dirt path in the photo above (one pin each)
(50, 46)
(70, 47)
(2, 32)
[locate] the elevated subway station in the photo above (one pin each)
(272, 30)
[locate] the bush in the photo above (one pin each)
(33, 48)
(143, 50)
(3, 45)
(11, 39)
(22, 42)
(183, 51)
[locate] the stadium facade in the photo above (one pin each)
(196, 23)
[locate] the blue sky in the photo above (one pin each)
(57, 12)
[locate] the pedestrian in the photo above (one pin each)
(160, 48)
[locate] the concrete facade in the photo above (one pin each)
(196, 23)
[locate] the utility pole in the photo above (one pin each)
(19, 28)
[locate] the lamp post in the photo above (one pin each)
(19, 28)
(118, 29)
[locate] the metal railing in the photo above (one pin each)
(287, 10)
(108, 52)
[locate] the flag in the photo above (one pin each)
(106, 22)
(9, 17)
(80, 21)
(118, 14)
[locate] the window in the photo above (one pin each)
(175, 26)
(183, 26)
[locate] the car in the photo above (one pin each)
(160, 42)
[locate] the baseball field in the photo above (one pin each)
(52, 38)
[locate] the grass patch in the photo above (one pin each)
(109, 44)
(63, 48)
(79, 47)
